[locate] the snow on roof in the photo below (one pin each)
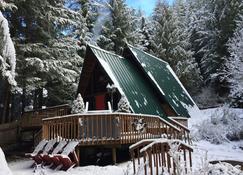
(108, 70)
(179, 82)
(135, 53)
(155, 82)
(193, 111)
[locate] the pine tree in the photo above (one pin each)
(144, 35)
(7, 50)
(117, 29)
(47, 50)
(203, 37)
(123, 105)
(78, 105)
(171, 43)
(7, 65)
(234, 64)
(212, 26)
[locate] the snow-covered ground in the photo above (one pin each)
(203, 149)
(225, 151)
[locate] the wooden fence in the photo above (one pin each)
(109, 128)
(153, 157)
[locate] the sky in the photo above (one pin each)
(146, 5)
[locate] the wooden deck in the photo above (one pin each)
(33, 119)
(110, 128)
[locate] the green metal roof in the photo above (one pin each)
(165, 80)
(130, 82)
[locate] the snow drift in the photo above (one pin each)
(4, 169)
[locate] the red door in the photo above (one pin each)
(100, 102)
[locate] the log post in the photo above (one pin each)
(114, 155)
(78, 154)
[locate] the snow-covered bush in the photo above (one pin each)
(224, 169)
(223, 126)
(78, 105)
(176, 156)
(123, 105)
(205, 167)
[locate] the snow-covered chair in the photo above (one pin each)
(38, 149)
(68, 157)
(47, 149)
(47, 158)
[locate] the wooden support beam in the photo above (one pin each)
(114, 155)
(77, 150)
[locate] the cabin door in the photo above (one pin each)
(100, 102)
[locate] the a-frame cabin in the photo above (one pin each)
(149, 84)
(159, 104)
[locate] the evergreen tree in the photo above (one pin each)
(123, 105)
(145, 33)
(7, 65)
(117, 29)
(171, 43)
(78, 105)
(212, 26)
(47, 50)
(234, 64)
(7, 50)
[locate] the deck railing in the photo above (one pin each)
(34, 118)
(185, 132)
(110, 128)
(153, 157)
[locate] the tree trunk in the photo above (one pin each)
(6, 103)
(23, 99)
(35, 105)
(40, 98)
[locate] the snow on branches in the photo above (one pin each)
(123, 105)
(7, 52)
(78, 105)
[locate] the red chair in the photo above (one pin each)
(38, 149)
(46, 158)
(68, 157)
(48, 148)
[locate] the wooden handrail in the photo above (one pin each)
(32, 119)
(156, 156)
(115, 128)
(185, 132)
(48, 108)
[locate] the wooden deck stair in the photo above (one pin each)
(152, 156)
